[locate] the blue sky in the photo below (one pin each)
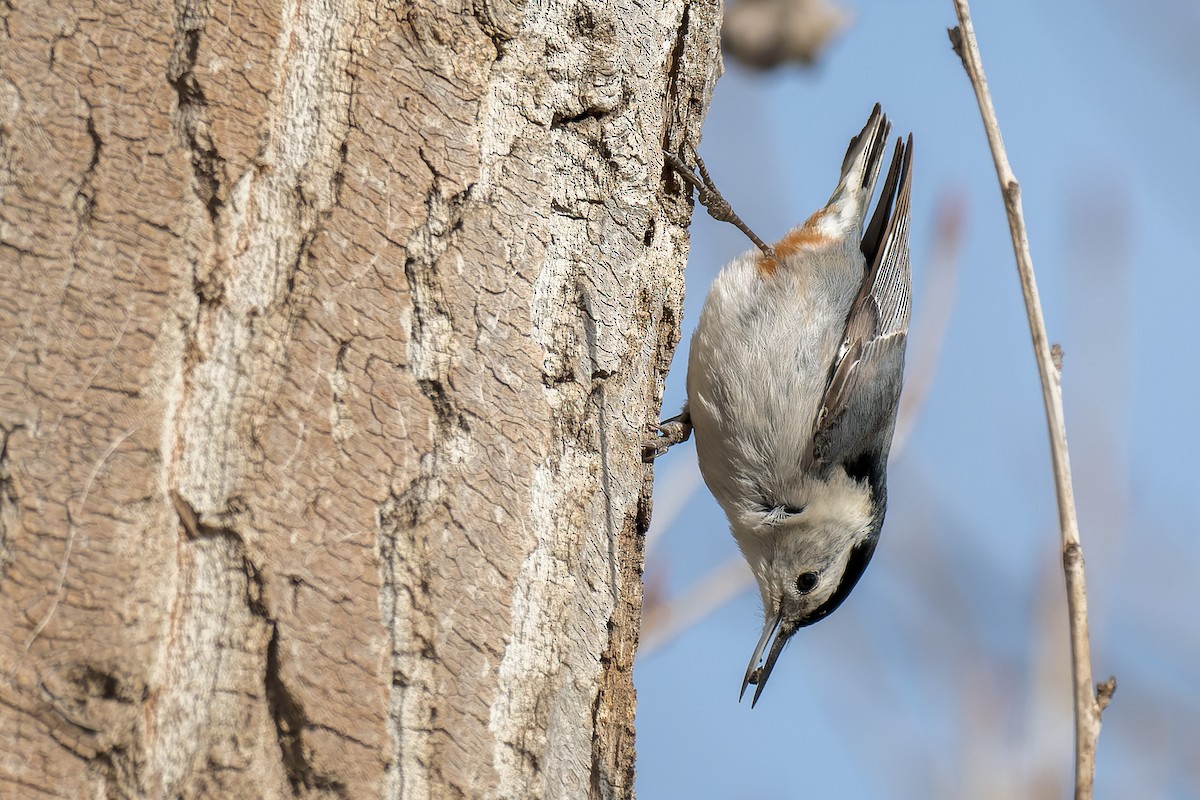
(945, 673)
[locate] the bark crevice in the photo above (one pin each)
(192, 119)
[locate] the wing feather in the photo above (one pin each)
(859, 405)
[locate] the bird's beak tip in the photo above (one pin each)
(754, 673)
(759, 675)
(759, 683)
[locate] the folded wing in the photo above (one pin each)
(858, 413)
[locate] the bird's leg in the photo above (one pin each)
(667, 434)
(712, 200)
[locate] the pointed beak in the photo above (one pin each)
(755, 674)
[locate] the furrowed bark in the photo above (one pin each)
(330, 334)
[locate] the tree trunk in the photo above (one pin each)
(330, 332)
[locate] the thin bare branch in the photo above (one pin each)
(1088, 705)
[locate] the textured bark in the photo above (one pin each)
(329, 332)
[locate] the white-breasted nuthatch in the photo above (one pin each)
(793, 382)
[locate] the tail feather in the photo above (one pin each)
(860, 170)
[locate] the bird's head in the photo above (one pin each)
(807, 558)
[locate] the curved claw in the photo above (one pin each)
(667, 434)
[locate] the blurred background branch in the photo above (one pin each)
(766, 33)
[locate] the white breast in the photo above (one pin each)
(757, 369)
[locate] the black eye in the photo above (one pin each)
(807, 582)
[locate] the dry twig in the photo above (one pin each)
(1089, 701)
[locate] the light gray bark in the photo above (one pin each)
(329, 333)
